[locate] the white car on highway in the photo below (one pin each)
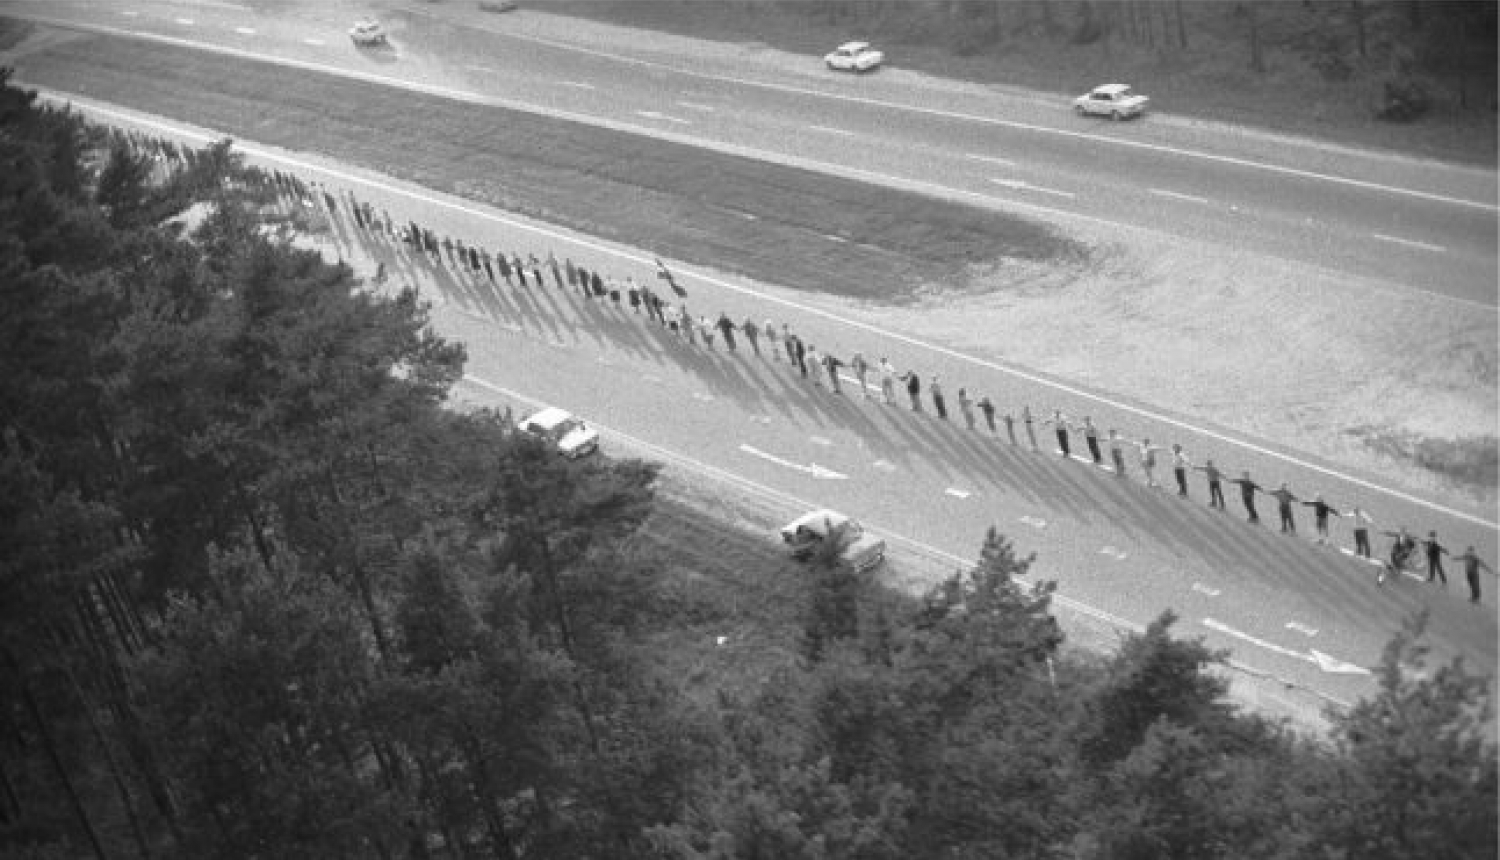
(367, 33)
(1116, 101)
(808, 532)
(572, 437)
(854, 57)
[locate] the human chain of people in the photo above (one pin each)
(875, 379)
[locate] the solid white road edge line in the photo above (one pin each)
(1410, 243)
(801, 308)
(720, 146)
(990, 120)
(789, 500)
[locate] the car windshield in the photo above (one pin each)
(562, 430)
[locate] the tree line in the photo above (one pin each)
(266, 594)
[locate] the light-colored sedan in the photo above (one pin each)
(572, 437)
(808, 532)
(1116, 101)
(854, 57)
(367, 33)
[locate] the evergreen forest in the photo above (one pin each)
(266, 592)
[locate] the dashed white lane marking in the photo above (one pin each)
(696, 106)
(797, 306)
(834, 238)
(1203, 589)
(820, 440)
(1019, 185)
(314, 42)
(651, 114)
(828, 129)
(1034, 522)
(705, 398)
(957, 493)
(1410, 243)
(186, 22)
(988, 119)
(130, 13)
(1177, 195)
(473, 68)
(812, 469)
(1302, 628)
(1112, 552)
(990, 159)
(765, 492)
(1317, 658)
(577, 85)
(245, 31)
(761, 419)
(884, 465)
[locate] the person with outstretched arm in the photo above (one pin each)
(1215, 488)
(1321, 510)
(1284, 499)
(1472, 565)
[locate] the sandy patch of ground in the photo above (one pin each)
(1348, 370)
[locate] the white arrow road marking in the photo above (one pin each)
(245, 31)
(651, 114)
(813, 469)
(990, 159)
(1317, 658)
(1203, 589)
(1034, 522)
(1162, 192)
(1335, 666)
(1410, 243)
(957, 493)
(1116, 554)
(1302, 628)
(1018, 185)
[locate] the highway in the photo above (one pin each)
(1308, 615)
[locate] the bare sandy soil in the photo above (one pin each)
(1395, 383)
(1342, 368)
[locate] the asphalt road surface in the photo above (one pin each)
(1307, 615)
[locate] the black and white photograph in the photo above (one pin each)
(749, 429)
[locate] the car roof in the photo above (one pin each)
(854, 46)
(549, 417)
(816, 518)
(1112, 89)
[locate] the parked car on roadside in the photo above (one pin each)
(367, 33)
(1116, 101)
(807, 533)
(572, 437)
(854, 57)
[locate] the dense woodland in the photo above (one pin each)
(265, 595)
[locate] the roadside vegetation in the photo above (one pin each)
(264, 594)
(1409, 75)
(776, 223)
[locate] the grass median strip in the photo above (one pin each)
(763, 220)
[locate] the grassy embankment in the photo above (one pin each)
(765, 221)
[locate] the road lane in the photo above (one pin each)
(1412, 237)
(1156, 533)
